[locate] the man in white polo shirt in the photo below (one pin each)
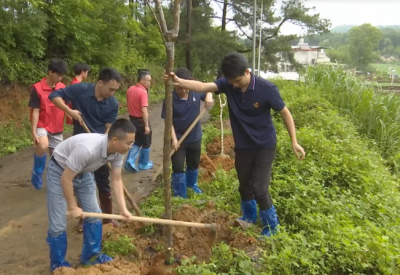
(70, 170)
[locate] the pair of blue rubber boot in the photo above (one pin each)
(39, 163)
(182, 181)
(92, 233)
(144, 162)
(269, 218)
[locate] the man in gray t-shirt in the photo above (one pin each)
(69, 171)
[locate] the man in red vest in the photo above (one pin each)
(81, 71)
(47, 120)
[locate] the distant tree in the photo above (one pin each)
(363, 43)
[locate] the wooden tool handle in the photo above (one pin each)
(149, 220)
(159, 169)
(126, 192)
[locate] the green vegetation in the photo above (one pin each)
(360, 45)
(122, 245)
(14, 137)
(338, 208)
(383, 68)
(376, 115)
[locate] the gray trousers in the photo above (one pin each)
(85, 191)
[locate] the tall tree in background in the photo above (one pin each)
(275, 15)
(363, 43)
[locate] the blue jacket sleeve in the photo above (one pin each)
(68, 93)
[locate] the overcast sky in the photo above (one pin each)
(346, 12)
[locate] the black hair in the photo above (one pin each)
(142, 75)
(120, 128)
(108, 74)
(234, 65)
(58, 66)
(81, 67)
(183, 73)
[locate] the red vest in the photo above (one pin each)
(68, 120)
(50, 117)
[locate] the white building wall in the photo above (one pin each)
(306, 57)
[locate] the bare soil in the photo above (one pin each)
(213, 160)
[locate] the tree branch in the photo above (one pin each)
(155, 18)
(163, 23)
(177, 9)
(230, 4)
(276, 30)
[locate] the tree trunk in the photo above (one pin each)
(167, 149)
(223, 28)
(224, 11)
(169, 38)
(188, 52)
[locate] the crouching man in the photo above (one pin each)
(69, 171)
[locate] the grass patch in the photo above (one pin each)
(376, 115)
(121, 245)
(383, 68)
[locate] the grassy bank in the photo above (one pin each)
(338, 208)
(375, 115)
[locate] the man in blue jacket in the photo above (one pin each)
(250, 100)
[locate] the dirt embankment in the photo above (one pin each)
(14, 100)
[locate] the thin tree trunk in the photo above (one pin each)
(167, 149)
(188, 53)
(223, 28)
(169, 38)
(224, 11)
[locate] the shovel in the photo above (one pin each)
(212, 227)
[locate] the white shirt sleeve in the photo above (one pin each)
(118, 161)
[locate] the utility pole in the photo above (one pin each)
(259, 43)
(253, 64)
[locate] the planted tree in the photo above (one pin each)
(169, 38)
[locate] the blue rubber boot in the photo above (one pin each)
(270, 221)
(191, 180)
(144, 159)
(249, 209)
(130, 163)
(39, 163)
(58, 249)
(179, 185)
(92, 233)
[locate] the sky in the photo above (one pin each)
(345, 12)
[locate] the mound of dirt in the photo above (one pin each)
(214, 147)
(115, 267)
(213, 159)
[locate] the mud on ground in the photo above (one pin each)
(188, 242)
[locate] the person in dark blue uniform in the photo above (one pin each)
(250, 100)
(186, 107)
